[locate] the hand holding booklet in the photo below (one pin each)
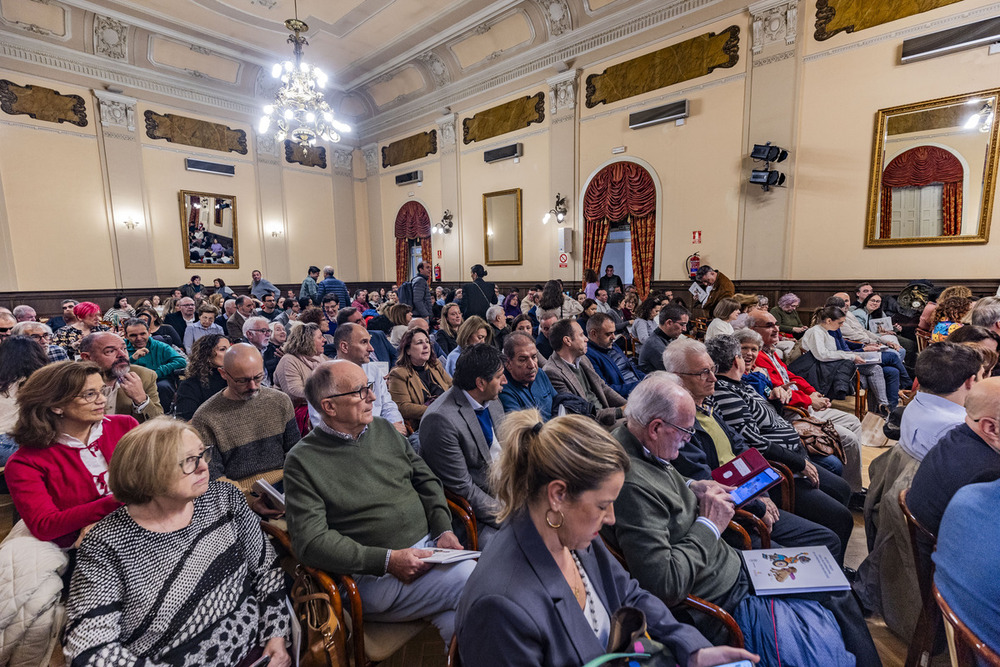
(447, 556)
(787, 570)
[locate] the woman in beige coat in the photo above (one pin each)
(418, 377)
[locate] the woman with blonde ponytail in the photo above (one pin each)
(537, 596)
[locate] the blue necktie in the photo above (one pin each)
(486, 422)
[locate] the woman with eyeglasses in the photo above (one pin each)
(206, 590)
(58, 477)
(20, 356)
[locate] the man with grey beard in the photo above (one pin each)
(130, 389)
(250, 426)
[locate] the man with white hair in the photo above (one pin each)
(257, 332)
(25, 313)
(986, 313)
(498, 322)
(41, 334)
(228, 310)
(130, 389)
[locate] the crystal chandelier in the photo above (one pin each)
(299, 110)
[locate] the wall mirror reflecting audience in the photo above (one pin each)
(208, 229)
(933, 172)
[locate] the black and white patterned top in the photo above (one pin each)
(203, 595)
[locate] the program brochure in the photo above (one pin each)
(782, 571)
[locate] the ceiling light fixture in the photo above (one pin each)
(299, 110)
(558, 211)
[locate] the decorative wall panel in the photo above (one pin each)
(409, 149)
(507, 117)
(316, 157)
(835, 16)
(193, 132)
(687, 60)
(42, 104)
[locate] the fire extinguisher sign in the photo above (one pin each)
(696, 237)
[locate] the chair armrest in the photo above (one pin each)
(462, 509)
(787, 486)
(755, 522)
(795, 411)
(743, 534)
(721, 615)
(357, 616)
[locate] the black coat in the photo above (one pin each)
(477, 296)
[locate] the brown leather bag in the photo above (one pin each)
(819, 437)
(324, 643)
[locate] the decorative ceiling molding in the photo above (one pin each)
(43, 30)
(595, 35)
(773, 21)
(557, 15)
(562, 91)
(110, 38)
(436, 67)
(116, 110)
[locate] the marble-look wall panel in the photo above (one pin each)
(835, 16)
(409, 149)
(42, 104)
(686, 60)
(193, 132)
(507, 117)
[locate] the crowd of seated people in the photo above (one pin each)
(367, 416)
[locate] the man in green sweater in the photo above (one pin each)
(360, 501)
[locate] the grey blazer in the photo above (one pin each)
(564, 381)
(517, 609)
(453, 444)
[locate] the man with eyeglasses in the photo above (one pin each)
(714, 444)
(183, 317)
(41, 334)
(130, 389)
(670, 528)
(673, 322)
(268, 308)
(250, 427)
(7, 323)
(257, 332)
(354, 343)
(800, 394)
(67, 317)
(360, 501)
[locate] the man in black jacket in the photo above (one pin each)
(422, 292)
(478, 295)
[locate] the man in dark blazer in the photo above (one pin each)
(459, 432)
(234, 325)
(183, 317)
(478, 295)
(571, 372)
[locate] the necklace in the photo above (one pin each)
(591, 609)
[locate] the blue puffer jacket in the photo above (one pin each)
(615, 368)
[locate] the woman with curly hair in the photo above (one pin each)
(202, 379)
(948, 316)
(552, 298)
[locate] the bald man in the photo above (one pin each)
(130, 389)
(360, 501)
(967, 454)
(250, 426)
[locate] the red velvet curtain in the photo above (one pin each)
(622, 191)
(412, 222)
(918, 167)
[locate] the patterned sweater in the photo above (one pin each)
(202, 595)
(250, 437)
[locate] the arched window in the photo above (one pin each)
(412, 224)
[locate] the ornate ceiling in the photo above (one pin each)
(383, 56)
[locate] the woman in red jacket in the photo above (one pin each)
(58, 475)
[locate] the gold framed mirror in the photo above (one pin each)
(208, 230)
(502, 227)
(933, 172)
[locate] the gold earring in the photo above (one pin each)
(562, 519)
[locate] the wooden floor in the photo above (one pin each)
(427, 649)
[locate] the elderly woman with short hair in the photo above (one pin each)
(787, 315)
(206, 590)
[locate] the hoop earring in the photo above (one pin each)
(562, 519)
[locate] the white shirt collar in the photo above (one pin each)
(95, 432)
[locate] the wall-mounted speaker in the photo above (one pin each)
(410, 177)
(566, 240)
(503, 153)
(209, 167)
(657, 115)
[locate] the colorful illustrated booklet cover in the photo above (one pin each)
(781, 571)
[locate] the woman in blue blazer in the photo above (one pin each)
(544, 590)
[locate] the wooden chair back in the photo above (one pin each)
(921, 645)
(462, 510)
(923, 340)
(967, 650)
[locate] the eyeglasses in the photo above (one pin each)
(704, 373)
(260, 331)
(89, 396)
(363, 392)
(191, 463)
(256, 379)
(40, 337)
(5, 331)
(689, 431)
(772, 325)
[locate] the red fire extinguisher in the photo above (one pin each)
(693, 263)
(437, 273)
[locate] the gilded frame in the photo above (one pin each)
(185, 246)
(987, 187)
(486, 229)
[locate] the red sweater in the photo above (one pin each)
(54, 492)
(801, 397)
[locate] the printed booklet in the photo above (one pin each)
(782, 571)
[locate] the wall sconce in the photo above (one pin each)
(276, 233)
(130, 223)
(983, 119)
(767, 178)
(558, 212)
(447, 222)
